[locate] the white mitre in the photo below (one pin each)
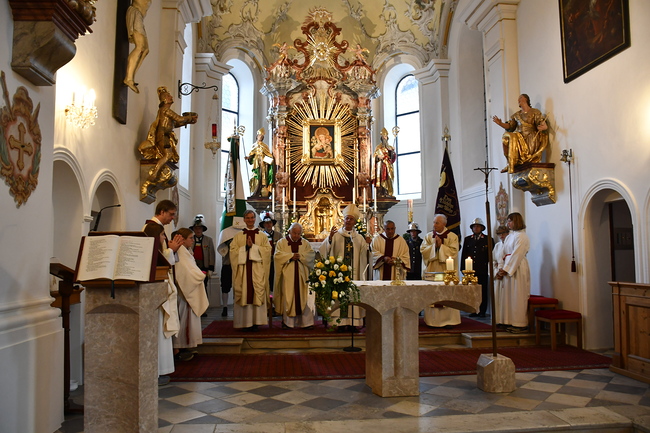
(352, 210)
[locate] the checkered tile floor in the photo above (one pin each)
(566, 398)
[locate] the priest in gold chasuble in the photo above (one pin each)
(250, 258)
(294, 261)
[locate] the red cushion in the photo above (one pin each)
(558, 314)
(535, 299)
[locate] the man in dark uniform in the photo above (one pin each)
(476, 247)
(414, 241)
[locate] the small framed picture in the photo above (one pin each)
(321, 141)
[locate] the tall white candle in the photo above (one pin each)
(354, 195)
(284, 203)
(273, 202)
(374, 197)
(469, 263)
(294, 200)
(450, 264)
(364, 199)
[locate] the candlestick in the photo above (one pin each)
(354, 195)
(469, 264)
(450, 264)
(294, 200)
(284, 203)
(273, 202)
(214, 131)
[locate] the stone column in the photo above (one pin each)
(121, 353)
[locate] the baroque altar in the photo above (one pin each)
(320, 90)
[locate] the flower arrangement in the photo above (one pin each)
(361, 227)
(331, 280)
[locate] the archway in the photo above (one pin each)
(608, 254)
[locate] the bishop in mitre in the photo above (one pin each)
(294, 261)
(346, 242)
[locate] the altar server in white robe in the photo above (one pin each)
(294, 261)
(192, 298)
(168, 317)
(438, 246)
(501, 301)
(515, 274)
(386, 247)
(250, 258)
(346, 242)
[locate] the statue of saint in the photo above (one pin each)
(526, 135)
(321, 143)
(384, 159)
(137, 35)
(160, 144)
(263, 163)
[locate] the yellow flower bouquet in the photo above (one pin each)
(331, 281)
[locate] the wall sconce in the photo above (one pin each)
(82, 111)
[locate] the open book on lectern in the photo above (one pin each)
(118, 256)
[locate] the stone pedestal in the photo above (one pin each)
(121, 357)
(392, 357)
(495, 374)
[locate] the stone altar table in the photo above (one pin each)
(392, 357)
(121, 357)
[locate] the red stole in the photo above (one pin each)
(250, 290)
(295, 247)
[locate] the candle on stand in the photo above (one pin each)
(450, 264)
(354, 195)
(284, 203)
(273, 202)
(469, 263)
(294, 200)
(364, 199)
(374, 197)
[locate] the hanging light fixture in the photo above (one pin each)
(81, 112)
(215, 144)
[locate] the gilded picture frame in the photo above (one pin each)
(592, 31)
(321, 141)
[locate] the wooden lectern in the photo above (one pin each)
(121, 351)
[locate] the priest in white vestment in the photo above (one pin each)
(168, 318)
(346, 242)
(250, 258)
(515, 274)
(294, 261)
(192, 298)
(438, 246)
(501, 301)
(386, 247)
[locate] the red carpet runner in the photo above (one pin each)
(342, 365)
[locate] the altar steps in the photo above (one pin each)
(338, 341)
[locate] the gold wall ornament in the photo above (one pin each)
(538, 179)
(323, 212)
(321, 141)
(20, 143)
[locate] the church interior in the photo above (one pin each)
(329, 84)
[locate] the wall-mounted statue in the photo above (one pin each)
(384, 158)
(261, 159)
(526, 135)
(137, 35)
(159, 149)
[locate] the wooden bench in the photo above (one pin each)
(535, 302)
(553, 318)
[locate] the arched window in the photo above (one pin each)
(229, 117)
(408, 172)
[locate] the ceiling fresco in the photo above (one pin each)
(385, 28)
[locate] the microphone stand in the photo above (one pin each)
(99, 216)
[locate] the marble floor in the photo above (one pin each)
(558, 401)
